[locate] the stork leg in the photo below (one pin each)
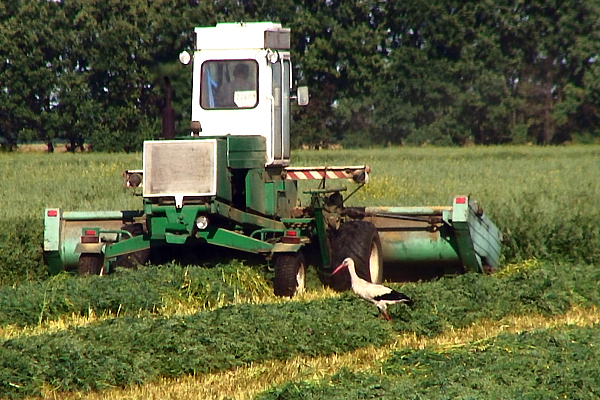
(386, 315)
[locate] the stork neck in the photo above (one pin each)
(353, 277)
(352, 270)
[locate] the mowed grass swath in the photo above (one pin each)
(129, 350)
(544, 199)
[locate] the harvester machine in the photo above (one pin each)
(229, 184)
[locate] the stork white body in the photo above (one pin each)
(377, 294)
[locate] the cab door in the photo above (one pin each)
(281, 111)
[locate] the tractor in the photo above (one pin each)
(229, 184)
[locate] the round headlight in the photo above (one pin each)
(272, 56)
(201, 222)
(134, 180)
(185, 57)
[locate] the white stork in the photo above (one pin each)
(377, 294)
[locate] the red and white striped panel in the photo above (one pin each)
(300, 173)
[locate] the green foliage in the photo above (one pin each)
(379, 72)
(85, 75)
(547, 364)
(21, 250)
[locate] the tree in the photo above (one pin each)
(28, 78)
(379, 72)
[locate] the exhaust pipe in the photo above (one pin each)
(168, 114)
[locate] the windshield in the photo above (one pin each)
(229, 84)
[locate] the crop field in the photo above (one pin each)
(529, 331)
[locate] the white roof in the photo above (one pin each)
(235, 35)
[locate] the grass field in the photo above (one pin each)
(529, 331)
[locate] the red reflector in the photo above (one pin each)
(52, 213)
(90, 239)
(290, 233)
(292, 240)
(461, 200)
(89, 232)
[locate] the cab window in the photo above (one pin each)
(229, 84)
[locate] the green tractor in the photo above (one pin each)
(229, 184)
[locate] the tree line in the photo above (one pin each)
(380, 72)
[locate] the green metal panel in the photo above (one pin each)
(63, 244)
(479, 240)
(52, 218)
(487, 240)
(287, 197)
(54, 262)
(460, 217)
(270, 199)
(224, 238)
(152, 209)
(171, 220)
(224, 187)
(69, 239)
(246, 151)
(62, 233)
(256, 192)
(244, 218)
(140, 242)
(268, 196)
(321, 230)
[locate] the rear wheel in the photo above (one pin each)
(290, 274)
(358, 240)
(91, 264)
(140, 257)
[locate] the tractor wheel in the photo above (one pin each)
(91, 264)
(133, 260)
(360, 241)
(290, 274)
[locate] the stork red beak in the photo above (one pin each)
(339, 268)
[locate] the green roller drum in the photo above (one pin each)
(455, 238)
(63, 232)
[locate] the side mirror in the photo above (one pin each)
(303, 96)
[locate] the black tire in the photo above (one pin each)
(133, 260)
(90, 264)
(290, 274)
(360, 241)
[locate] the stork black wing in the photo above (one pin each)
(395, 296)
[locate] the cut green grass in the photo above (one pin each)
(127, 350)
(543, 364)
(248, 381)
(134, 350)
(161, 290)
